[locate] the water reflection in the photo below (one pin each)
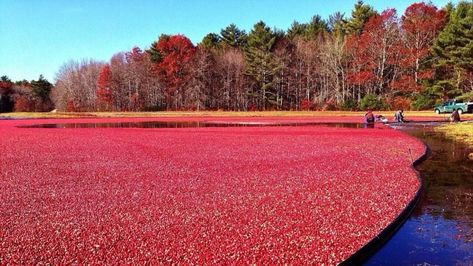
(191, 124)
(440, 230)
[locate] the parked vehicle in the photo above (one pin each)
(451, 105)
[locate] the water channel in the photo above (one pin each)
(440, 230)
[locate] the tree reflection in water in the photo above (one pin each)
(440, 230)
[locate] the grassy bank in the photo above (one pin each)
(458, 131)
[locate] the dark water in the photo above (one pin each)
(192, 124)
(440, 230)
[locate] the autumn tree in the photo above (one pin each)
(76, 86)
(23, 98)
(284, 50)
(318, 64)
(203, 81)
(104, 89)
(6, 102)
(175, 52)
(232, 94)
(420, 25)
(374, 56)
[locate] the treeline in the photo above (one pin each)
(25, 96)
(367, 60)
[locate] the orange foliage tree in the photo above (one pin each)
(104, 91)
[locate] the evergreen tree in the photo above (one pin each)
(359, 16)
(210, 41)
(233, 36)
(337, 24)
(41, 88)
(309, 30)
(261, 65)
(316, 26)
(155, 54)
(453, 50)
(297, 29)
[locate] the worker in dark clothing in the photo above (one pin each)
(369, 117)
(455, 116)
(399, 116)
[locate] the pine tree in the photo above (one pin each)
(233, 36)
(359, 16)
(297, 29)
(309, 30)
(316, 26)
(41, 88)
(261, 65)
(454, 53)
(155, 54)
(337, 25)
(210, 41)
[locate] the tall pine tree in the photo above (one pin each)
(211, 41)
(261, 65)
(454, 54)
(233, 36)
(359, 16)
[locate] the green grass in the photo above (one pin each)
(458, 131)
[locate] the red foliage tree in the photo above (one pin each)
(175, 52)
(104, 92)
(373, 53)
(71, 106)
(23, 103)
(5, 85)
(6, 103)
(136, 55)
(420, 25)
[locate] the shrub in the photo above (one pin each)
(24, 103)
(330, 105)
(371, 101)
(423, 102)
(305, 105)
(400, 103)
(350, 105)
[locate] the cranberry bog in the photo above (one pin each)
(205, 195)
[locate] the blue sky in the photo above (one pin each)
(38, 36)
